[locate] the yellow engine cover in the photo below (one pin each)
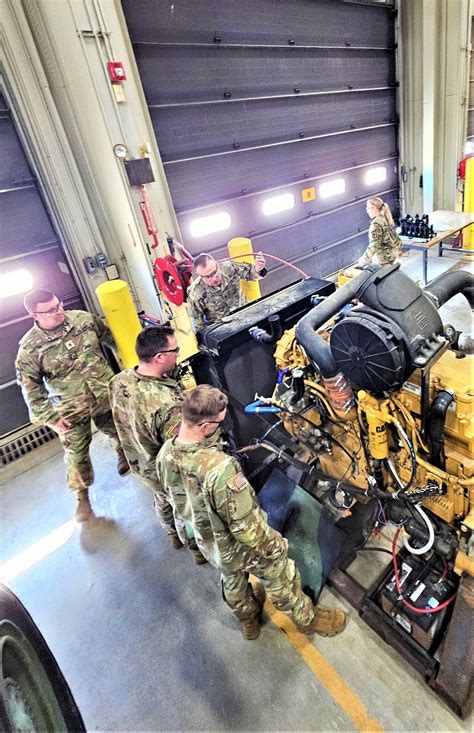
(457, 376)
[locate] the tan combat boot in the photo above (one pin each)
(122, 463)
(251, 629)
(175, 541)
(326, 622)
(199, 559)
(83, 507)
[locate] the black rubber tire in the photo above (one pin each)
(20, 641)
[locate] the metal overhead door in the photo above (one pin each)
(31, 256)
(275, 120)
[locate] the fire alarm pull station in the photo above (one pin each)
(116, 71)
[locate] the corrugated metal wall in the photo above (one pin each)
(254, 99)
(31, 256)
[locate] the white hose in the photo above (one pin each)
(429, 544)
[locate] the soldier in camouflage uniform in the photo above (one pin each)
(210, 494)
(384, 243)
(216, 290)
(64, 379)
(146, 405)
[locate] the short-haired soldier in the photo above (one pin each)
(209, 492)
(64, 378)
(215, 291)
(146, 405)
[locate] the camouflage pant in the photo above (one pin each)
(282, 583)
(164, 512)
(76, 442)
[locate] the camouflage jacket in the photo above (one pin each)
(63, 372)
(147, 411)
(209, 492)
(209, 304)
(384, 243)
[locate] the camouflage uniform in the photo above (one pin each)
(147, 411)
(209, 493)
(384, 243)
(209, 303)
(63, 374)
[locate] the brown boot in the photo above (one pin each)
(326, 622)
(250, 629)
(199, 559)
(175, 541)
(83, 507)
(122, 463)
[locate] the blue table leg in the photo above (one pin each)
(425, 266)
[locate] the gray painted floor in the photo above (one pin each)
(145, 641)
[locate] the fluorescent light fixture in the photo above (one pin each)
(210, 224)
(331, 188)
(15, 282)
(275, 204)
(375, 175)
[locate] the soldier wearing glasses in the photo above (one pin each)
(64, 378)
(216, 290)
(146, 405)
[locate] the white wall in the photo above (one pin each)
(433, 74)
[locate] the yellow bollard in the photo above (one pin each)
(468, 204)
(121, 316)
(236, 246)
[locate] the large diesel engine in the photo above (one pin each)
(363, 398)
(378, 394)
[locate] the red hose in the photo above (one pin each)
(399, 589)
(272, 257)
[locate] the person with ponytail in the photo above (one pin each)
(384, 243)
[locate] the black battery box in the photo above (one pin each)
(425, 585)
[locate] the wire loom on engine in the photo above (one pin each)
(378, 393)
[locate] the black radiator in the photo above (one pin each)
(241, 367)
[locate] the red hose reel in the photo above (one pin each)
(173, 278)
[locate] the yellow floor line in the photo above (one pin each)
(325, 673)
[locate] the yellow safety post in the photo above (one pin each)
(468, 204)
(120, 313)
(239, 247)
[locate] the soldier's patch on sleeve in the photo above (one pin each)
(240, 502)
(237, 482)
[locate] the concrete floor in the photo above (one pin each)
(146, 643)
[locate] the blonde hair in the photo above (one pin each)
(383, 208)
(203, 404)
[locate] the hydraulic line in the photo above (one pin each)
(394, 474)
(431, 536)
(272, 257)
(322, 394)
(437, 419)
(411, 451)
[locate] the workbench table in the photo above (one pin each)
(446, 224)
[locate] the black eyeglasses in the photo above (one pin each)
(211, 274)
(168, 351)
(51, 311)
(211, 422)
